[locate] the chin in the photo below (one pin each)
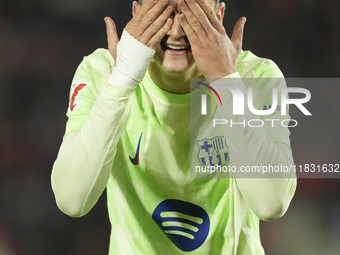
(178, 65)
(174, 68)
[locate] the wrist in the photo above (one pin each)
(133, 59)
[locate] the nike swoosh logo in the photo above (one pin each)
(135, 160)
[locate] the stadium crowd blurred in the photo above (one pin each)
(41, 44)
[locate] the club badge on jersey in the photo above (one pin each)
(212, 152)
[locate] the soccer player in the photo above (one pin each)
(129, 132)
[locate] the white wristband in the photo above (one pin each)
(133, 59)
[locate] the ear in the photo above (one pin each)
(220, 11)
(135, 7)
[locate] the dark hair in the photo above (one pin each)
(216, 2)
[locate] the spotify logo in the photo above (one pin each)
(185, 224)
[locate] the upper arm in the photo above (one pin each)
(90, 75)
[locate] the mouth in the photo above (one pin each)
(175, 49)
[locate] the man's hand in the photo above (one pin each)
(140, 38)
(149, 25)
(214, 53)
(151, 22)
(112, 37)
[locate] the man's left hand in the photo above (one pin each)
(214, 53)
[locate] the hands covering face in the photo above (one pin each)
(214, 52)
(149, 25)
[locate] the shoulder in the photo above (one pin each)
(100, 56)
(251, 66)
(99, 63)
(94, 70)
(91, 73)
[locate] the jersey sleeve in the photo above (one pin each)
(96, 117)
(272, 78)
(262, 76)
(92, 72)
(269, 194)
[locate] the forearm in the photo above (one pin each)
(268, 194)
(85, 159)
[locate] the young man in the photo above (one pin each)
(129, 131)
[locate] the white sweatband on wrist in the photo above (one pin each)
(133, 59)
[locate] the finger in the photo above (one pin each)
(198, 12)
(157, 25)
(150, 16)
(190, 33)
(112, 37)
(237, 36)
(207, 8)
(193, 22)
(158, 37)
(141, 12)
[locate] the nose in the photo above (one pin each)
(176, 32)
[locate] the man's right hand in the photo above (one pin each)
(149, 25)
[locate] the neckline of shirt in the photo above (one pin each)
(162, 94)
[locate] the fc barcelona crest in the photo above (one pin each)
(212, 152)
